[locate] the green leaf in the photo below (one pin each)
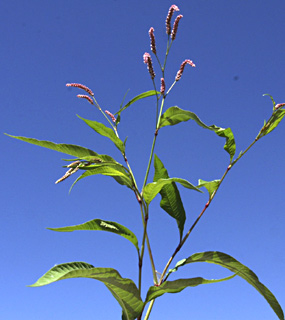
(113, 170)
(170, 197)
(124, 290)
(270, 96)
(273, 121)
(102, 225)
(153, 188)
(211, 186)
(241, 270)
(121, 105)
(138, 97)
(179, 285)
(106, 132)
(70, 149)
(175, 115)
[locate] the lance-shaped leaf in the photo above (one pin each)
(239, 269)
(138, 97)
(114, 170)
(71, 149)
(175, 115)
(273, 121)
(211, 186)
(170, 197)
(153, 188)
(102, 225)
(106, 132)
(124, 290)
(179, 285)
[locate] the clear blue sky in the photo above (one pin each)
(238, 48)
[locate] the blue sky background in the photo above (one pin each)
(238, 48)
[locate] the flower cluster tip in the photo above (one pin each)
(81, 86)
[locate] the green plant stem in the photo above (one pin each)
(153, 144)
(149, 310)
(144, 214)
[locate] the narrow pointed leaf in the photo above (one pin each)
(175, 115)
(211, 186)
(71, 149)
(179, 285)
(273, 121)
(239, 269)
(138, 97)
(124, 290)
(170, 197)
(115, 171)
(106, 132)
(153, 188)
(270, 96)
(102, 225)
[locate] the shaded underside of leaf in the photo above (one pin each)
(170, 197)
(102, 225)
(115, 171)
(124, 290)
(179, 285)
(175, 115)
(239, 269)
(106, 132)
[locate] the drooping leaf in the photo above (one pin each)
(273, 121)
(175, 115)
(124, 290)
(106, 132)
(115, 171)
(270, 96)
(179, 285)
(102, 225)
(211, 186)
(170, 197)
(71, 149)
(239, 269)
(138, 97)
(153, 188)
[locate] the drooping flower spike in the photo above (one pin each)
(175, 27)
(81, 86)
(84, 96)
(168, 18)
(152, 40)
(111, 115)
(183, 64)
(148, 62)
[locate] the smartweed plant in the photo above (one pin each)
(129, 294)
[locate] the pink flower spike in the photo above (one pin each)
(162, 86)
(111, 115)
(279, 105)
(183, 64)
(84, 96)
(169, 16)
(152, 40)
(148, 62)
(175, 27)
(81, 86)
